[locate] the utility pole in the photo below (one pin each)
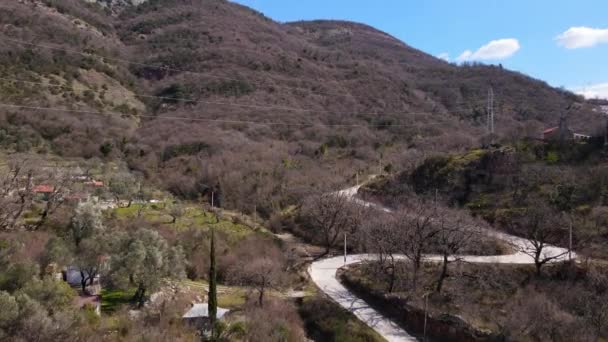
(606, 130)
(426, 305)
(344, 248)
(570, 242)
(490, 113)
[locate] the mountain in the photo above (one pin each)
(200, 95)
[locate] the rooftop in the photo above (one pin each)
(201, 310)
(43, 189)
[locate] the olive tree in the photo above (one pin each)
(143, 258)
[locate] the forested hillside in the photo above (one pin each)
(201, 96)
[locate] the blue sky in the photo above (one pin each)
(524, 31)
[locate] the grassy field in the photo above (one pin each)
(192, 217)
(112, 300)
(229, 297)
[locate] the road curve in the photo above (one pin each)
(323, 274)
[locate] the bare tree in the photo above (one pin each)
(61, 183)
(16, 191)
(595, 303)
(456, 231)
(332, 216)
(259, 264)
(539, 225)
(381, 237)
(415, 224)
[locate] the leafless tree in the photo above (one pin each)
(381, 237)
(16, 191)
(415, 224)
(331, 216)
(456, 231)
(540, 225)
(61, 183)
(595, 307)
(260, 265)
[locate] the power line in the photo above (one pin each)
(270, 123)
(256, 106)
(16, 41)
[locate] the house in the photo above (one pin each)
(77, 197)
(72, 276)
(94, 184)
(43, 192)
(559, 133)
(198, 316)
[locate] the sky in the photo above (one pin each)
(563, 42)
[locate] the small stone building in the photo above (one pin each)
(198, 316)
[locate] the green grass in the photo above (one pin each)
(192, 217)
(229, 297)
(112, 300)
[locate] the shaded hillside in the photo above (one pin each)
(202, 95)
(498, 184)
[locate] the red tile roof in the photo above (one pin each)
(43, 189)
(549, 130)
(97, 184)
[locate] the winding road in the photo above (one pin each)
(323, 274)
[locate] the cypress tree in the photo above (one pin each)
(212, 303)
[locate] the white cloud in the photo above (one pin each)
(594, 91)
(445, 56)
(582, 37)
(494, 50)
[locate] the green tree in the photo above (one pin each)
(142, 260)
(57, 251)
(124, 187)
(8, 315)
(53, 295)
(89, 258)
(87, 220)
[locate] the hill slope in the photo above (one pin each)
(167, 85)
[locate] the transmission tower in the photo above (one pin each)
(490, 112)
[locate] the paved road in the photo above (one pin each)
(323, 273)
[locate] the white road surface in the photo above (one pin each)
(323, 273)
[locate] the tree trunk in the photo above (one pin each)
(261, 297)
(391, 284)
(83, 281)
(212, 302)
(538, 265)
(444, 273)
(140, 295)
